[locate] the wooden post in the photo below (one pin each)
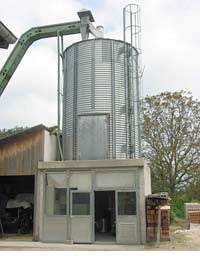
(1, 226)
(160, 209)
(36, 208)
(158, 227)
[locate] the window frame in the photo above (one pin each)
(45, 206)
(136, 202)
(45, 196)
(71, 203)
(65, 201)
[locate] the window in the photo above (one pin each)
(60, 201)
(81, 203)
(56, 194)
(56, 200)
(126, 203)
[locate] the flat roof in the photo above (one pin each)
(90, 164)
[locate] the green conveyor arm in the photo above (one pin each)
(26, 40)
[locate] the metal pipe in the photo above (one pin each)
(58, 98)
(113, 102)
(125, 79)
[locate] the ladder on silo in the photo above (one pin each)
(131, 35)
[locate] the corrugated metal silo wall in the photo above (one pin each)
(94, 83)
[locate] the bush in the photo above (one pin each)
(172, 216)
(177, 206)
(195, 201)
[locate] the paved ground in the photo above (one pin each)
(181, 240)
(38, 246)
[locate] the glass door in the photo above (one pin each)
(126, 217)
(81, 217)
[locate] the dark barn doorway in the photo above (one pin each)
(17, 204)
(105, 217)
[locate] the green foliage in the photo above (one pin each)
(177, 206)
(151, 243)
(177, 203)
(195, 201)
(7, 132)
(172, 141)
(172, 215)
(192, 192)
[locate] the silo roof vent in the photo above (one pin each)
(84, 12)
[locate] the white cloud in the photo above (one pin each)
(170, 44)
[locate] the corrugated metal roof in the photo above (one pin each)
(26, 131)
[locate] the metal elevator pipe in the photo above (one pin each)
(58, 97)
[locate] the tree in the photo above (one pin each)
(7, 132)
(172, 140)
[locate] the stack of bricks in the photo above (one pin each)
(192, 215)
(153, 202)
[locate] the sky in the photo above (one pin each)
(170, 43)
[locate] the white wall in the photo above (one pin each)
(147, 179)
(50, 147)
(144, 190)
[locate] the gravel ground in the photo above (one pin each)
(181, 239)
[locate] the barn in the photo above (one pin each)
(19, 156)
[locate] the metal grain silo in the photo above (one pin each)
(99, 107)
